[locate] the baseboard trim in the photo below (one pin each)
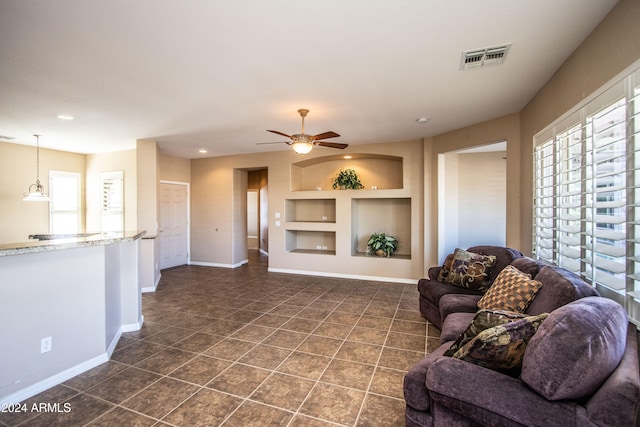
(345, 276)
(151, 288)
(130, 327)
(52, 381)
(215, 264)
(114, 342)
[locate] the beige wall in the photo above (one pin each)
(608, 50)
(124, 161)
(147, 169)
(216, 220)
(482, 202)
(173, 169)
(18, 219)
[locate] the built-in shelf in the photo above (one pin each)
(381, 215)
(310, 210)
(377, 258)
(310, 241)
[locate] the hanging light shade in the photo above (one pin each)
(301, 144)
(36, 192)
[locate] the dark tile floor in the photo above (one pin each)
(245, 347)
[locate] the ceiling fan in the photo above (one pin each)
(303, 143)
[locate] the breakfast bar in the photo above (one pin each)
(64, 302)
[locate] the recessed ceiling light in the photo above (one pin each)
(422, 120)
(65, 117)
(347, 157)
(202, 151)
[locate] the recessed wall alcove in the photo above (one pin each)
(375, 171)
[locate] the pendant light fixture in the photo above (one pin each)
(36, 192)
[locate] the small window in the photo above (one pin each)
(64, 188)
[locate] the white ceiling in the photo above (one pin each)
(216, 74)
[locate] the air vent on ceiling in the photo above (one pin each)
(477, 58)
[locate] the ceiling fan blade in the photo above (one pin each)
(279, 133)
(275, 142)
(324, 135)
(331, 144)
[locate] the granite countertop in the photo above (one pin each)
(53, 242)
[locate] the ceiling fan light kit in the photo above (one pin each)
(303, 144)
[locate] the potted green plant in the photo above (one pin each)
(382, 245)
(347, 179)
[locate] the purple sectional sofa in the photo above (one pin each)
(579, 369)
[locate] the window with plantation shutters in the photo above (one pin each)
(587, 192)
(112, 202)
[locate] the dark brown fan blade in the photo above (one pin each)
(331, 144)
(279, 133)
(324, 135)
(275, 142)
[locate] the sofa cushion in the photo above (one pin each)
(512, 290)
(559, 287)
(576, 349)
(458, 303)
(454, 325)
(470, 270)
(483, 319)
(501, 347)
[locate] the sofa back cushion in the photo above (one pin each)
(576, 348)
(528, 265)
(559, 287)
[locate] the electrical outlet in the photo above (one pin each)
(324, 248)
(318, 247)
(45, 345)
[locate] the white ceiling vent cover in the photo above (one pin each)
(477, 58)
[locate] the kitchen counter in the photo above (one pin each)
(53, 242)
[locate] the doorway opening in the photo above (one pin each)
(257, 230)
(472, 197)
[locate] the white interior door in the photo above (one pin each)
(173, 225)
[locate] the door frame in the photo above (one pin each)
(188, 186)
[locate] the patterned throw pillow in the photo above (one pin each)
(484, 319)
(502, 347)
(470, 270)
(512, 290)
(445, 269)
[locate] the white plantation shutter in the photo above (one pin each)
(587, 192)
(112, 202)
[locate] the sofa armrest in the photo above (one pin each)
(490, 398)
(416, 394)
(433, 272)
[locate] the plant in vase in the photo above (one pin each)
(347, 179)
(382, 245)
